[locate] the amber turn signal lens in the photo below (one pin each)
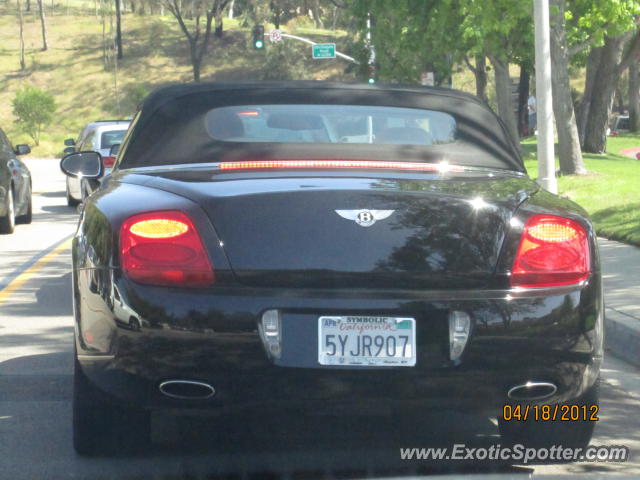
(552, 232)
(159, 228)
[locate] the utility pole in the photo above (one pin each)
(546, 154)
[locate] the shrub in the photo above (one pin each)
(34, 110)
(286, 61)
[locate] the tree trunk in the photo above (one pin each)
(618, 101)
(317, 17)
(504, 96)
(105, 58)
(480, 73)
(593, 63)
(195, 60)
(23, 65)
(28, 6)
(43, 24)
(568, 140)
(335, 17)
(219, 26)
(523, 98)
(606, 78)
(634, 98)
(275, 9)
(118, 29)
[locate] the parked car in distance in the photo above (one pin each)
(15, 186)
(620, 124)
(99, 137)
(295, 247)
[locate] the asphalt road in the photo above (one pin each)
(35, 396)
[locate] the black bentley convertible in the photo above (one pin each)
(320, 244)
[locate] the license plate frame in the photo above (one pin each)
(354, 326)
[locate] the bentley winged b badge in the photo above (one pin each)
(365, 218)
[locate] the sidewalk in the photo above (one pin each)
(621, 276)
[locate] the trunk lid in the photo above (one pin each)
(289, 229)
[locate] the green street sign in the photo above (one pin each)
(324, 50)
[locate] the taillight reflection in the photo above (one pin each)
(108, 161)
(164, 248)
(553, 251)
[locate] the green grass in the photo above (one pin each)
(156, 53)
(610, 192)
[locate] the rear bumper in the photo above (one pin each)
(131, 337)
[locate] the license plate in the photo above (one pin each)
(367, 341)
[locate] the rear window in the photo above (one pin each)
(110, 138)
(330, 124)
(248, 124)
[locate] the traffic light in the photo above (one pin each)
(371, 73)
(258, 37)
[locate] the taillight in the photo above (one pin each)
(553, 251)
(164, 248)
(108, 161)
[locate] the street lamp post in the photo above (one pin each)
(546, 155)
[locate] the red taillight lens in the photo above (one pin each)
(553, 251)
(108, 161)
(164, 248)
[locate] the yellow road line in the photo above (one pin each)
(25, 276)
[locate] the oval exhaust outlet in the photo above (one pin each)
(187, 389)
(532, 391)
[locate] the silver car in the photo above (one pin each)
(97, 136)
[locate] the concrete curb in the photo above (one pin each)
(622, 336)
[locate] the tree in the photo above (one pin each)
(479, 71)
(607, 31)
(410, 37)
(614, 58)
(568, 140)
(198, 39)
(119, 28)
(33, 109)
(43, 24)
(523, 100)
(634, 97)
(504, 96)
(21, 23)
(502, 29)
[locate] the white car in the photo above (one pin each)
(97, 136)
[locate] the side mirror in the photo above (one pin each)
(113, 151)
(69, 150)
(82, 165)
(69, 142)
(22, 149)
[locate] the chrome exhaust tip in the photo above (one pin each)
(187, 389)
(532, 391)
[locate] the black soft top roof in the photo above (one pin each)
(162, 95)
(178, 103)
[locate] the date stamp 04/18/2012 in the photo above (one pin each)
(550, 413)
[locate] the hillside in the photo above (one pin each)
(155, 54)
